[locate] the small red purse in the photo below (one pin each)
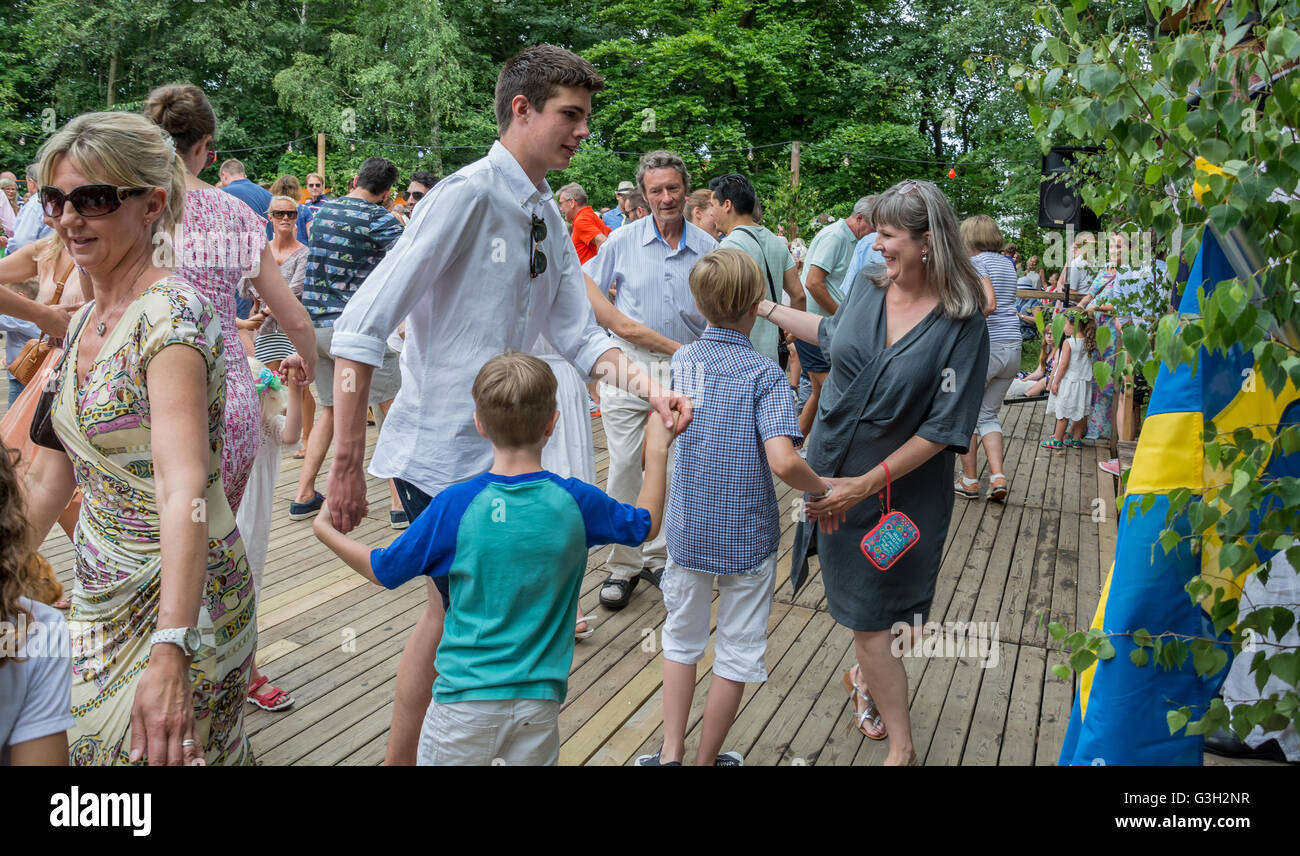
(893, 536)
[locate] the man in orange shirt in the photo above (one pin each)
(589, 231)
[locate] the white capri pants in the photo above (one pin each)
(744, 605)
(1004, 362)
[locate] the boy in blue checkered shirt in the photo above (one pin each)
(723, 522)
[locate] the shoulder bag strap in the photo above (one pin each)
(771, 285)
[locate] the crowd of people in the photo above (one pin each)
(476, 323)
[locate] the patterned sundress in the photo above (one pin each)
(105, 424)
(223, 241)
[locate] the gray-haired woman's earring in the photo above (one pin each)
(925, 257)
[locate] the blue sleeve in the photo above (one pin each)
(386, 232)
(428, 546)
(608, 521)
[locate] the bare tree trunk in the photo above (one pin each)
(112, 79)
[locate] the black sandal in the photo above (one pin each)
(624, 586)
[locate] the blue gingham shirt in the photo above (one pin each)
(652, 278)
(722, 512)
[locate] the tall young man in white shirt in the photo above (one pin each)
(649, 263)
(484, 266)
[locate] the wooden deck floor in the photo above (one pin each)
(334, 641)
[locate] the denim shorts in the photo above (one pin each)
(811, 358)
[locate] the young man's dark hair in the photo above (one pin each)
(376, 175)
(535, 72)
(737, 190)
(428, 179)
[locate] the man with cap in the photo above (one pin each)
(620, 214)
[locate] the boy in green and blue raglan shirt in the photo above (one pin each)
(513, 545)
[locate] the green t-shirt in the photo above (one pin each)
(514, 551)
(773, 257)
(832, 251)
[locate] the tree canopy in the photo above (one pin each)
(876, 91)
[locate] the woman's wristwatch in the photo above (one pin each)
(185, 638)
(829, 488)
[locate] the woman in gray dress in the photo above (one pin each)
(908, 351)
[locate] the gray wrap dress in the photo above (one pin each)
(876, 398)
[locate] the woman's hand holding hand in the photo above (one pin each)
(845, 493)
(162, 715)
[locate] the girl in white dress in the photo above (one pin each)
(1071, 387)
(281, 426)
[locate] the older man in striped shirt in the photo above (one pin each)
(648, 263)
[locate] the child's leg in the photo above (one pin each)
(679, 692)
(308, 419)
(744, 607)
(1059, 434)
(1080, 425)
(719, 713)
(688, 597)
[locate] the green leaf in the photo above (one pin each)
(1142, 638)
(1105, 650)
(1286, 666)
(1103, 337)
(1177, 719)
(1168, 540)
(1139, 656)
(1082, 659)
(1150, 177)
(1062, 671)
(1076, 639)
(1057, 630)
(1101, 371)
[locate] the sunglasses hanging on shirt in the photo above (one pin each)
(537, 262)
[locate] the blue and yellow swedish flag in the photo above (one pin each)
(1119, 710)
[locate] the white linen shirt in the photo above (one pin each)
(652, 278)
(459, 275)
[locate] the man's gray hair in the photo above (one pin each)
(574, 191)
(661, 159)
(863, 206)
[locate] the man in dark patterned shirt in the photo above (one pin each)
(349, 237)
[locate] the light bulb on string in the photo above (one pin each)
(751, 154)
(352, 147)
(22, 141)
(846, 160)
(419, 153)
(952, 172)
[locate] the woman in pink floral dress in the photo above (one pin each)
(222, 242)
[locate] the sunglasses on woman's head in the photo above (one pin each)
(537, 261)
(908, 186)
(89, 200)
(284, 215)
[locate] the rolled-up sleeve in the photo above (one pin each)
(415, 264)
(571, 326)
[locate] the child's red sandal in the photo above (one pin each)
(272, 698)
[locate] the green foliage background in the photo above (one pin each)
(915, 84)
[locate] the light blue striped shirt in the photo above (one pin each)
(653, 279)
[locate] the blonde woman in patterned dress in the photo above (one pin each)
(223, 240)
(156, 543)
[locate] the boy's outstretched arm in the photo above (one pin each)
(350, 550)
(651, 498)
(792, 469)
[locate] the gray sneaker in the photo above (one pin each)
(653, 761)
(730, 759)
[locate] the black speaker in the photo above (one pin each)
(1059, 203)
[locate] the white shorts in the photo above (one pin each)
(516, 732)
(744, 605)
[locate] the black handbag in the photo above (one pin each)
(42, 430)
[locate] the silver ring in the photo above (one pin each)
(189, 743)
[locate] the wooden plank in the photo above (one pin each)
(992, 707)
(1053, 719)
(1020, 736)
